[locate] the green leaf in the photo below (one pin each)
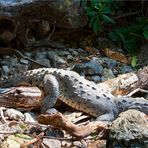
(107, 19)
(96, 26)
(95, 3)
(106, 10)
(145, 33)
(91, 13)
(134, 61)
(91, 22)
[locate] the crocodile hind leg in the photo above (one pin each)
(51, 87)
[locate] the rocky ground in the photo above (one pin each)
(94, 67)
(90, 64)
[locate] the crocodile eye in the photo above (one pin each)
(145, 104)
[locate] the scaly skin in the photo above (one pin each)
(77, 92)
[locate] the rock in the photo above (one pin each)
(24, 15)
(67, 14)
(9, 61)
(52, 143)
(14, 114)
(80, 50)
(91, 68)
(20, 68)
(102, 79)
(79, 144)
(55, 60)
(6, 37)
(107, 62)
(108, 74)
(29, 116)
(96, 79)
(59, 44)
(63, 53)
(74, 53)
(44, 62)
(23, 61)
(130, 129)
(42, 27)
(67, 144)
(143, 55)
(5, 70)
(40, 55)
(28, 54)
(52, 132)
(69, 57)
(125, 69)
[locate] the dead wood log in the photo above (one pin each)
(25, 98)
(126, 83)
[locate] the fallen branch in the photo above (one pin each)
(59, 121)
(34, 140)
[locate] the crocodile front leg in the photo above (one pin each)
(51, 87)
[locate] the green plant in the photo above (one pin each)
(98, 12)
(145, 32)
(132, 36)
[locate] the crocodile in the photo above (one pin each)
(77, 92)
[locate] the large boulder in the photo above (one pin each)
(30, 20)
(130, 129)
(66, 13)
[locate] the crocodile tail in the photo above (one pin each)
(13, 81)
(125, 103)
